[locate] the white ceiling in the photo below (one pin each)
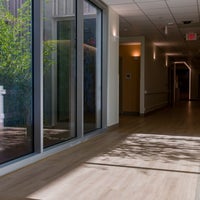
(150, 17)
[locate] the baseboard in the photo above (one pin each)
(156, 107)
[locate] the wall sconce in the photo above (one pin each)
(166, 60)
(115, 36)
(154, 52)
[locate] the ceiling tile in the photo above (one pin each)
(113, 2)
(137, 14)
(157, 12)
(127, 10)
(147, 1)
(154, 5)
(181, 10)
(125, 7)
(163, 18)
(189, 16)
(178, 3)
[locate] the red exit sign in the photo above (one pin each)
(191, 36)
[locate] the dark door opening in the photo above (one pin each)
(183, 83)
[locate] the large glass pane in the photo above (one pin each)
(59, 71)
(16, 136)
(92, 67)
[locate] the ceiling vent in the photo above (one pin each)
(187, 22)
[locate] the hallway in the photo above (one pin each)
(156, 157)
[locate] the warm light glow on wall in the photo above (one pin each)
(166, 60)
(154, 52)
(132, 50)
(114, 33)
(136, 53)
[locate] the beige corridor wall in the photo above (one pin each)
(195, 87)
(156, 78)
(113, 69)
(153, 75)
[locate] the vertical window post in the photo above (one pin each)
(80, 70)
(38, 75)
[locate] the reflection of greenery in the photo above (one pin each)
(15, 45)
(49, 48)
(16, 61)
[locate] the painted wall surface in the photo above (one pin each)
(153, 75)
(195, 85)
(130, 78)
(156, 78)
(113, 69)
(141, 40)
(130, 50)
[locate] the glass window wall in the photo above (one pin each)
(16, 125)
(92, 67)
(59, 70)
(52, 82)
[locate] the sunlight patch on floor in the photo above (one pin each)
(168, 152)
(128, 169)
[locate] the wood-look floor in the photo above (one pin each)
(156, 157)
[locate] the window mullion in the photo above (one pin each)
(38, 76)
(80, 70)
